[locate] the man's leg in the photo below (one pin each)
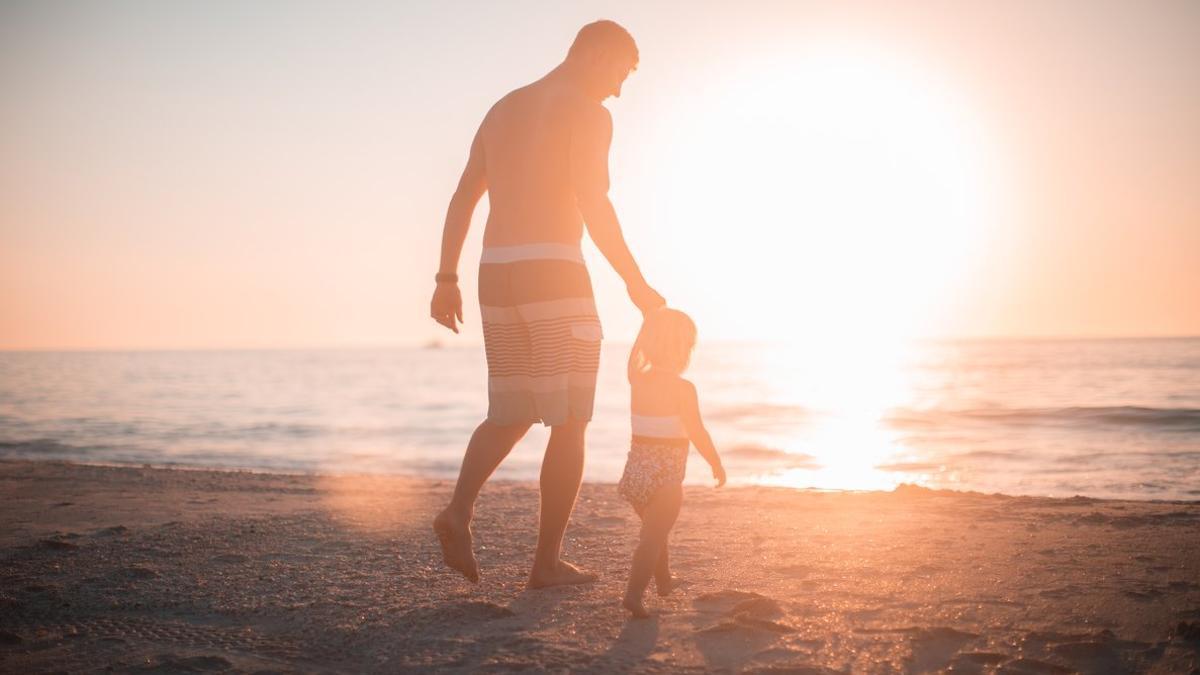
(489, 445)
(562, 472)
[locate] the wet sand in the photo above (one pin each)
(152, 570)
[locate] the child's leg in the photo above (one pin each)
(657, 519)
(663, 581)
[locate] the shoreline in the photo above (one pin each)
(175, 569)
(224, 469)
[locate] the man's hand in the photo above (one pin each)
(647, 299)
(446, 305)
(718, 472)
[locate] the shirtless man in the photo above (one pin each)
(542, 154)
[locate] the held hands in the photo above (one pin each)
(718, 471)
(647, 299)
(446, 305)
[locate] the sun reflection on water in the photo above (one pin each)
(849, 390)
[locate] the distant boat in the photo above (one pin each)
(434, 344)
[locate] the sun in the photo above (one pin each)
(837, 192)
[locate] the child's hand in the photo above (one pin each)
(719, 473)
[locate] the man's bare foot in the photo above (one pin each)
(666, 588)
(635, 607)
(455, 537)
(564, 574)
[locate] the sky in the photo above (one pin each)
(226, 174)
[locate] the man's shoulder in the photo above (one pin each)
(505, 101)
(558, 101)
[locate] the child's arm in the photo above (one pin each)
(697, 434)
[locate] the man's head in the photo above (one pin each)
(604, 54)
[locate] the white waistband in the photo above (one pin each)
(507, 254)
(658, 426)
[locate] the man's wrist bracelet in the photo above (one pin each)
(446, 278)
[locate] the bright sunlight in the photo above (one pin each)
(878, 187)
(873, 179)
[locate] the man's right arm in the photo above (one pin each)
(589, 174)
(446, 305)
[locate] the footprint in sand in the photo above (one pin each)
(764, 624)
(57, 545)
(138, 572)
(1145, 595)
(789, 660)
(758, 607)
(933, 648)
(728, 596)
(1189, 632)
(745, 611)
(458, 614)
(746, 626)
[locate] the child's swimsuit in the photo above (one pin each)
(657, 458)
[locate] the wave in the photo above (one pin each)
(38, 447)
(48, 449)
(757, 412)
(1164, 419)
(760, 453)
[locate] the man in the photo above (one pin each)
(542, 154)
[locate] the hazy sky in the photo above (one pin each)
(260, 174)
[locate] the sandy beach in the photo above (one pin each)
(153, 570)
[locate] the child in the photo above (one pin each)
(666, 417)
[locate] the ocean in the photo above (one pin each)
(1102, 418)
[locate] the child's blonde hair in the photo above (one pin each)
(665, 341)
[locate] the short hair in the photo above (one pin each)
(604, 35)
(665, 341)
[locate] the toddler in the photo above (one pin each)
(666, 419)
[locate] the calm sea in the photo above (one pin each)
(1104, 418)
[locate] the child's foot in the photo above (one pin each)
(665, 588)
(636, 608)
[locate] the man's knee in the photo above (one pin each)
(571, 429)
(510, 431)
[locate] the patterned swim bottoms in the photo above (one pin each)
(652, 465)
(541, 333)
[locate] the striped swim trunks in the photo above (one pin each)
(541, 333)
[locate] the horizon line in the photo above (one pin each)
(434, 344)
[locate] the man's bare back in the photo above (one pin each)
(527, 140)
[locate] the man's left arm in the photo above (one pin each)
(589, 170)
